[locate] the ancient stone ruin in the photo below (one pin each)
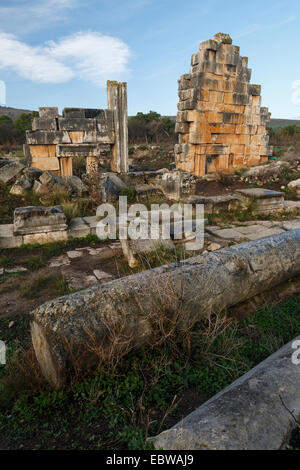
(95, 134)
(220, 122)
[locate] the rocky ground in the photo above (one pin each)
(29, 276)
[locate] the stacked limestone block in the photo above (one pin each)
(55, 140)
(220, 122)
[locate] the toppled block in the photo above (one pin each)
(264, 394)
(50, 183)
(264, 200)
(9, 169)
(111, 187)
(35, 219)
(220, 121)
(170, 184)
(21, 186)
(295, 186)
(77, 185)
(200, 287)
(214, 204)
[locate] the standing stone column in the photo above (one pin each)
(117, 101)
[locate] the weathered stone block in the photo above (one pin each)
(42, 151)
(45, 237)
(21, 186)
(66, 166)
(76, 137)
(29, 220)
(77, 124)
(267, 392)
(265, 200)
(50, 183)
(44, 124)
(47, 137)
(46, 163)
(9, 169)
(79, 228)
(78, 150)
(48, 113)
(7, 237)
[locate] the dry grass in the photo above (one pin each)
(23, 376)
(163, 318)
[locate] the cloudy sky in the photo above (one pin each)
(61, 52)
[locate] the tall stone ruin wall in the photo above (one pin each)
(94, 134)
(220, 121)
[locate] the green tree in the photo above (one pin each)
(24, 123)
(6, 120)
(7, 131)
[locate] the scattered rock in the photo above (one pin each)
(265, 171)
(50, 183)
(9, 169)
(74, 254)
(16, 270)
(59, 261)
(111, 187)
(77, 185)
(294, 186)
(32, 173)
(214, 247)
(21, 186)
(102, 276)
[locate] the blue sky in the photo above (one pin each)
(61, 52)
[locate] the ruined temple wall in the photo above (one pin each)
(220, 121)
(93, 134)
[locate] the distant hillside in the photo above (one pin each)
(276, 123)
(13, 112)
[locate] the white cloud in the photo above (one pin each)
(24, 17)
(88, 56)
(296, 93)
(50, 7)
(92, 56)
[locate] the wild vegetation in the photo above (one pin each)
(151, 128)
(145, 392)
(12, 132)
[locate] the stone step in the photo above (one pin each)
(265, 200)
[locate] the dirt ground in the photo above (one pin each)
(22, 292)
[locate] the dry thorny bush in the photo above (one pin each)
(162, 317)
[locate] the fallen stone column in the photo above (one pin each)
(135, 308)
(251, 414)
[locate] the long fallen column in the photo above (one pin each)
(132, 311)
(254, 413)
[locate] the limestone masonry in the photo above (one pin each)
(220, 121)
(91, 133)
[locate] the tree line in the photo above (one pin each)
(284, 135)
(151, 128)
(13, 132)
